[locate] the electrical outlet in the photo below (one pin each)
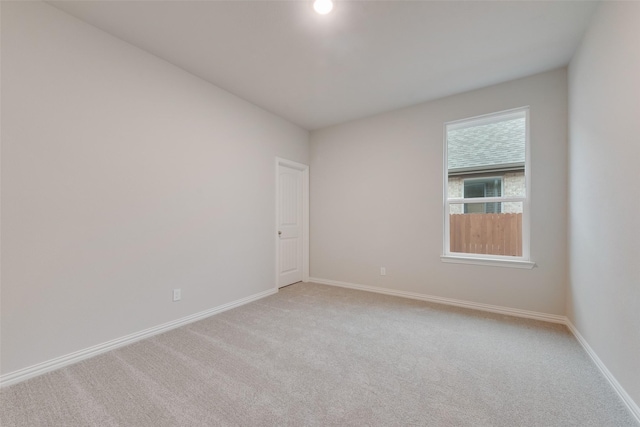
(177, 294)
(383, 271)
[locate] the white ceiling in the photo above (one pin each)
(363, 58)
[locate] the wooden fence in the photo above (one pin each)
(495, 234)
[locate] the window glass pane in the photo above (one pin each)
(483, 187)
(486, 157)
(476, 228)
(475, 189)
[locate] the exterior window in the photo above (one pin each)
(483, 187)
(486, 180)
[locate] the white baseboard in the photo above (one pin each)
(628, 401)
(68, 359)
(553, 318)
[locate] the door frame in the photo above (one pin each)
(305, 216)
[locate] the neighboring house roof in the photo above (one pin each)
(487, 147)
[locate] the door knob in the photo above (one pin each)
(279, 233)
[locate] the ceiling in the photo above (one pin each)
(363, 58)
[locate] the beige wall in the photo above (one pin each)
(123, 177)
(603, 298)
(377, 199)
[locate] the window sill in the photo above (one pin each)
(493, 262)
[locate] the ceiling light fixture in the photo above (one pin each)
(323, 6)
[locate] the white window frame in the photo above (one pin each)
(485, 259)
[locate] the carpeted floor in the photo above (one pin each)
(318, 355)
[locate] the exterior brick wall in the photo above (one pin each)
(513, 184)
(456, 189)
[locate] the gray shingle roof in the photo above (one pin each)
(491, 144)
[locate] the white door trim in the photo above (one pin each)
(305, 216)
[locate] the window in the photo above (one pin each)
(483, 187)
(486, 198)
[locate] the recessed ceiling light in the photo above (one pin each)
(323, 6)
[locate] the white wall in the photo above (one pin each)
(376, 199)
(123, 177)
(604, 151)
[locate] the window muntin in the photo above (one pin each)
(486, 159)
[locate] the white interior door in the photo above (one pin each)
(290, 222)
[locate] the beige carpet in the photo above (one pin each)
(318, 355)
